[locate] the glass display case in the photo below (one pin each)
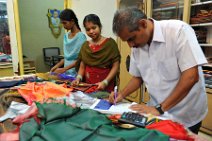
(167, 9)
(201, 21)
(4, 31)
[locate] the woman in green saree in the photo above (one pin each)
(99, 57)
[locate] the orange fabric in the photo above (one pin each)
(39, 92)
(172, 129)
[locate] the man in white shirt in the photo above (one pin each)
(166, 57)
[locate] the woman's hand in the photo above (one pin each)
(75, 82)
(53, 69)
(101, 86)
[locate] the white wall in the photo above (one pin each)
(105, 9)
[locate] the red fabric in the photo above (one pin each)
(10, 136)
(94, 75)
(172, 129)
(19, 120)
(97, 47)
(91, 89)
(31, 112)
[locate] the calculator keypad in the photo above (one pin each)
(133, 118)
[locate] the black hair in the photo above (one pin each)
(69, 15)
(92, 18)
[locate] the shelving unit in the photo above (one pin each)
(202, 11)
(201, 3)
(6, 69)
(29, 66)
(172, 9)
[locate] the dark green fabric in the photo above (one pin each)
(62, 123)
(104, 58)
(100, 94)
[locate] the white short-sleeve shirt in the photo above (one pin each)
(174, 49)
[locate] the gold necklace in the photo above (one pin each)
(98, 42)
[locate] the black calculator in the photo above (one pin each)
(133, 118)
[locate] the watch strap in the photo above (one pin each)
(159, 109)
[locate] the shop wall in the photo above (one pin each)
(105, 9)
(35, 32)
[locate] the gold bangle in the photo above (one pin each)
(105, 82)
(79, 76)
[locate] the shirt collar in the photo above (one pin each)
(157, 33)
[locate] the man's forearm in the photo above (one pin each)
(186, 82)
(132, 86)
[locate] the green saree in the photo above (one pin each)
(104, 58)
(62, 123)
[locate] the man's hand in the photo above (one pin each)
(142, 108)
(112, 99)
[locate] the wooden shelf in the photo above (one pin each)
(206, 45)
(202, 24)
(167, 8)
(201, 3)
(29, 66)
(208, 65)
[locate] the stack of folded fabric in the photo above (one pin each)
(201, 34)
(202, 16)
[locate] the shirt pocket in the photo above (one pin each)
(169, 69)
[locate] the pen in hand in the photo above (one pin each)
(115, 94)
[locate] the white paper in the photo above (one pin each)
(14, 110)
(119, 108)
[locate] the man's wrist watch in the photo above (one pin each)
(159, 109)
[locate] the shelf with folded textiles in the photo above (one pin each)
(201, 22)
(164, 10)
(201, 14)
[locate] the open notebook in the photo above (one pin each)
(105, 107)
